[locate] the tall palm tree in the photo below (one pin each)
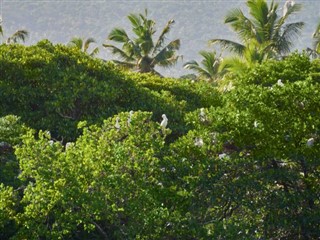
(208, 67)
(265, 26)
(82, 45)
(142, 52)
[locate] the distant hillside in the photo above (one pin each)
(196, 21)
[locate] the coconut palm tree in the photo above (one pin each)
(208, 67)
(265, 26)
(142, 52)
(82, 45)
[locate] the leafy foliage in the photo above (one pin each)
(248, 168)
(107, 182)
(53, 87)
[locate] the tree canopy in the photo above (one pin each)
(89, 150)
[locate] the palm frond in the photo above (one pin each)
(17, 36)
(118, 35)
(1, 29)
(290, 32)
(117, 51)
(234, 64)
(316, 39)
(125, 64)
(166, 57)
(292, 9)
(317, 31)
(87, 43)
(135, 20)
(169, 61)
(232, 46)
(259, 11)
(94, 52)
(161, 38)
(240, 24)
(193, 65)
(76, 42)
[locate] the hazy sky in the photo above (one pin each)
(195, 21)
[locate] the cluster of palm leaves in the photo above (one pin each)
(315, 51)
(84, 45)
(263, 35)
(141, 52)
(20, 35)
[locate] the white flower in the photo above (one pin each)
(255, 124)
(310, 142)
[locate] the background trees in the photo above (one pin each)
(82, 45)
(264, 34)
(209, 66)
(142, 52)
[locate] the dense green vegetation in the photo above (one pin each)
(83, 154)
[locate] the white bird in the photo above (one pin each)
(255, 124)
(288, 4)
(280, 83)
(68, 145)
(223, 155)
(310, 142)
(164, 122)
(129, 118)
(198, 142)
(202, 115)
(117, 125)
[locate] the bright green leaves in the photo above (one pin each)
(109, 176)
(52, 87)
(8, 206)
